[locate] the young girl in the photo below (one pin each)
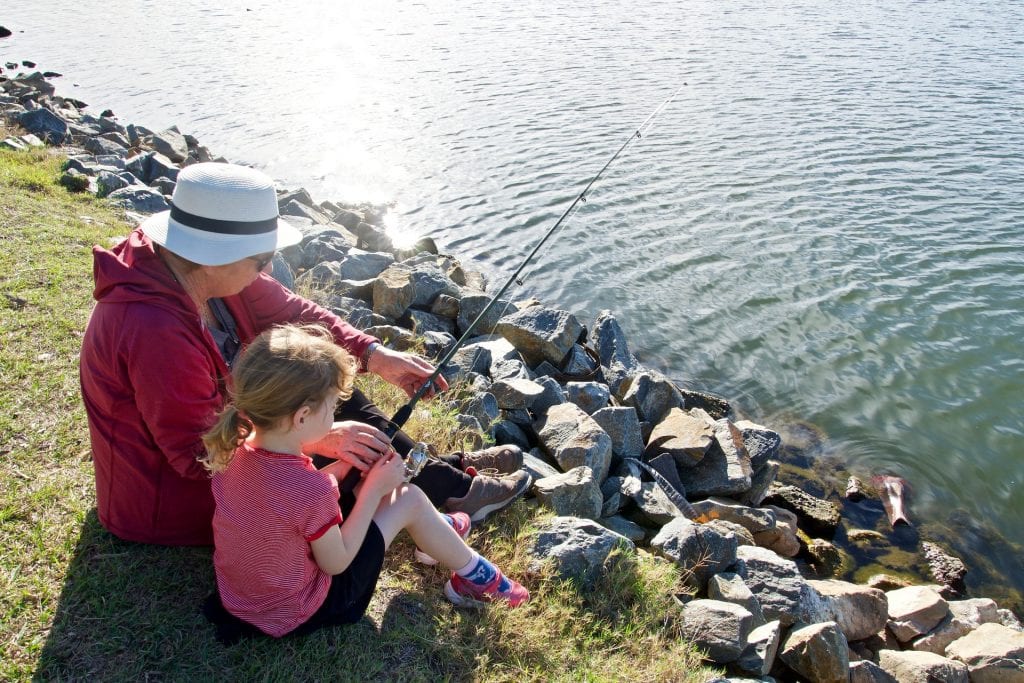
(287, 557)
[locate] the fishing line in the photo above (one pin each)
(405, 411)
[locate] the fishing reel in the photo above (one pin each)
(415, 461)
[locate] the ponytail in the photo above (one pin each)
(230, 430)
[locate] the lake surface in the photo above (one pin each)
(826, 226)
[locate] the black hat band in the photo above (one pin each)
(223, 227)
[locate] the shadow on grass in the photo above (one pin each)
(129, 611)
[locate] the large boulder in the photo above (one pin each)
(139, 199)
(617, 363)
(914, 667)
(402, 286)
(914, 611)
(578, 548)
(572, 438)
(725, 468)
(730, 587)
(473, 304)
(45, 124)
(818, 653)
(718, 628)
(572, 494)
(758, 657)
(860, 611)
(816, 517)
(699, 550)
(623, 427)
(776, 582)
(652, 394)
(992, 652)
(171, 144)
(541, 334)
(515, 393)
(686, 436)
(590, 396)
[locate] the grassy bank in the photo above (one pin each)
(79, 604)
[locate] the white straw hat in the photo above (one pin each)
(221, 213)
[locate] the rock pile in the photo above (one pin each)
(589, 415)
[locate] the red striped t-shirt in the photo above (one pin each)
(269, 507)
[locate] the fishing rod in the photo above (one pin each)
(405, 411)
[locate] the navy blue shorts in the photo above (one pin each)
(347, 599)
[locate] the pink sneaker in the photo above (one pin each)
(462, 592)
(462, 525)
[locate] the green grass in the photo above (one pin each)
(79, 604)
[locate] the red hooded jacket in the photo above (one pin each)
(153, 380)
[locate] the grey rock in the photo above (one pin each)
(590, 396)
(699, 551)
(936, 640)
(400, 287)
(718, 628)
(578, 548)
(625, 527)
(723, 471)
(654, 504)
(161, 167)
(171, 144)
(818, 653)
(947, 570)
(363, 265)
(914, 611)
(975, 611)
(138, 199)
(914, 667)
(762, 444)
(617, 363)
(537, 466)
(372, 238)
(473, 304)
(483, 407)
(553, 395)
(508, 432)
(572, 438)
(578, 364)
(509, 369)
(446, 306)
(866, 671)
(992, 652)
(776, 582)
(652, 394)
(163, 185)
(1010, 620)
(729, 587)
(46, 125)
(541, 333)
(686, 436)
(100, 145)
(860, 611)
(754, 520)
(758, 657)
(572, 494)
(296, 208)
(107, 182)
(760, 483)
(468, 359)
(817, 517)
(623, 427)
(422, 322)
(516, 393)
(782, 539)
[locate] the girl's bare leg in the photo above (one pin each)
(409, 508)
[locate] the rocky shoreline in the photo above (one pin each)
(596, 425)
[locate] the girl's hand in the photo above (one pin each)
(384, 476)
(355, 443)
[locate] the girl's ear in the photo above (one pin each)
(299, 417)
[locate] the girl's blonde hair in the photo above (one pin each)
(283, 369)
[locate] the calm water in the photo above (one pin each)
(827, 225)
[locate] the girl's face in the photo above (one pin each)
(319, 420)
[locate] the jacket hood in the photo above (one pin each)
(133, 271)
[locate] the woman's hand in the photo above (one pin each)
(356, 443)
(384, 476)
(405, 371)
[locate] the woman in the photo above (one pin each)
(176, 302)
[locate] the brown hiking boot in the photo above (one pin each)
(504, 459)
(488, 494)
